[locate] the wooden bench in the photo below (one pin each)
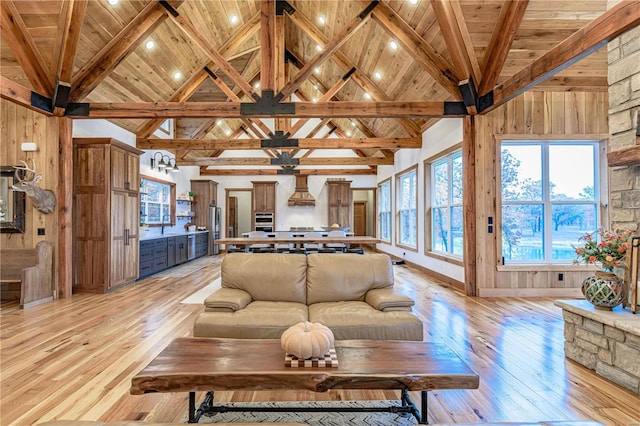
(26, 274)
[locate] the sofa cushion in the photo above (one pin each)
(386, 299)
(227, 299)
(268, 276)
(259, 320)
(359, 320)
(338, 277)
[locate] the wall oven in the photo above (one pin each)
(263, 221)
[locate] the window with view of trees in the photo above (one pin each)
(446, 204)
(156, 201)
(550, 197)
(407, 211)
(384, 210)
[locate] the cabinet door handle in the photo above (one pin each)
(126, 236)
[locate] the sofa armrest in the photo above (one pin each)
(228, 299)
(385, 299)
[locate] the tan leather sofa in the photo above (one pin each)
(264, 294)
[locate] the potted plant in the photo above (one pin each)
(191, 195)
(607, 250)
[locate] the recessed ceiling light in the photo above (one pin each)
(353, 124)
(316, 70)
(413, 1)
(348, 133)
(218, 122)
(228, 133)
(256, 85)
(393, 45)
(113, 2)
(315, 86)
(149, 44)
(318, 48)
(234, 19)
(314, 100)
(177, 75)
(321, 20)
(367, 95)
(377, 75)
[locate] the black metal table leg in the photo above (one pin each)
(192, 407)
(423, 408)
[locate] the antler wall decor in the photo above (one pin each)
(43, 200)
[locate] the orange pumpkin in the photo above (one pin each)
(307, 340)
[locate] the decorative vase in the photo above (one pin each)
(605, 290)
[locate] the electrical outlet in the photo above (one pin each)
(560, 276)
(40, 231)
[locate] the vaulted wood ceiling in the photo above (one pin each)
(351, 88)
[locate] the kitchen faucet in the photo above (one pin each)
(162, 222)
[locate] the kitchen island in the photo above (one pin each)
(162, 251)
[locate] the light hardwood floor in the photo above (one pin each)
(74, 359)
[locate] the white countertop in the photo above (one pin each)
(167, 235)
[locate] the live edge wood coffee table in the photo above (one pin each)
(202, 364)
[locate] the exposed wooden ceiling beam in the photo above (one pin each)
(326, 97)
(511, 14)
(270, 172)
(395, 109)
(72, 15)
(593, 36)
(268, 45)
(18, 94)
(94, 71)
(628, 156)
(360, 78)
(309, 161)
(303, 143)
(456, 36)
(420, 50)
(196, 36)
(194, 82)
(15, 33)
(329, 48)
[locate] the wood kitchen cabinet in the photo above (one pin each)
(264, 197)
(206, 194)
(340, 203)
(106, 211)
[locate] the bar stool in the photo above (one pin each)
(337, 247)
(355, 250)
(259, 248)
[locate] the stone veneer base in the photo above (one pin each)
(607, 342)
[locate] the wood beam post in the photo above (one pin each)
(469, 204)
(65, 208)
(268, 52)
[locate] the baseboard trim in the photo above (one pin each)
(529, 292)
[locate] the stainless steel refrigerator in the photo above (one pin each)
(214, 229)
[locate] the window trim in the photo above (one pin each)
(379, 213)
(601, 178)
(172, 199)
(398, 176)
(427, 167)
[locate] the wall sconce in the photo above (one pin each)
(166, 163)
(161, 164)
(173, 167)
(28, 147)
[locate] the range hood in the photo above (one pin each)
(301, 196)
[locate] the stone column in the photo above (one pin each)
(624, 103)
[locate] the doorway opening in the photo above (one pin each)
(364, 202)
(238, 212)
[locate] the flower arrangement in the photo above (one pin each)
(604, 247)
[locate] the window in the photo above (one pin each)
(384, 210)
(157, 201)
(446, 204)
(166, 127)
(550, 197)
(407, 202)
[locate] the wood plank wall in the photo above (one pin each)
(533, 115)
(20, 125)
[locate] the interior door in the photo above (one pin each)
(360, 218)
(232, 220)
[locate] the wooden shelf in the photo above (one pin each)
(624, 157)
(182, 216)
(185, 201)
